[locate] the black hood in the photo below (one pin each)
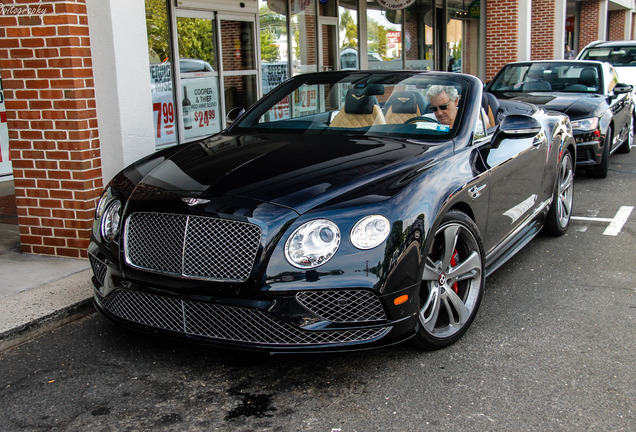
(575, 105)
(293, 171)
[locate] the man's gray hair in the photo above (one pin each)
(436, 90)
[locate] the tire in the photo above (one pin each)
(600, 170)
(452, 283)
(558, 218)
(626, 147)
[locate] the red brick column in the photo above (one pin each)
(589, 26)
(617, 19)
(45, 60)
(543, 29)
(501, 37)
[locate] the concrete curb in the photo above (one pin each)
(36, 311)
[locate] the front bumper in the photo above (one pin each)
(589, 149)
(320, 320)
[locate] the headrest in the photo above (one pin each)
(404, 102)
(535, 73)
(588, 77)
(369, 89)
(357, 103)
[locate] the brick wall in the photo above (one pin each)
(616, 24)
(543, 29)
(589, 26)
(501, 38)
(45, 60)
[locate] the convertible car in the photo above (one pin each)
(600, 108)
(336, 213)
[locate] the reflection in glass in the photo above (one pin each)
(418, 35)
(349, 34)
(303, 23)
(384, 37)
(273, 37)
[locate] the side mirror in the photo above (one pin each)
(621, 88)
(234, 114)
(516, 126)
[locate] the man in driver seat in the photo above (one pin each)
(443, 102)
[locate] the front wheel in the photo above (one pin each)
(600, 170)
(452, 282)
(626, 147)
(559, 215)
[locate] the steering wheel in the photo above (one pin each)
(421, 118)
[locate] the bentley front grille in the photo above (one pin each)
(191, 246)
(226, 323)
(343, 306)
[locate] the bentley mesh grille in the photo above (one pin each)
(99, 268)
(228, 323)
(191, 246)
(343, 305)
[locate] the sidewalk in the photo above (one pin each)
(37, 293)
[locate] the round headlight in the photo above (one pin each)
(110, 221)
(101, 205)
(370, 231)
(312, 244)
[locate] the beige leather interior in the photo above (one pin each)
(347, 120)
(400, 118)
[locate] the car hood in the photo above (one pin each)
(575, 105)
(299, 172)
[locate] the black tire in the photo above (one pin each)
(558, 219)
(452, 283)
(600, 170)
(626, 147)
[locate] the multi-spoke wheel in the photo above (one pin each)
(626, 147)
(559, 215)
(452, 282)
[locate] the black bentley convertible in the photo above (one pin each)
(336, 213)
(589, 92)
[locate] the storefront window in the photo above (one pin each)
(163, 103)
(239, 63)
(198, 73)
(418, 35)
(457, 14)
(384, 37)
(272, 17)
(349, 47)
(304, 28)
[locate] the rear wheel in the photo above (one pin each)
(626, 147)
(600, 170)
(559, 215)
(452, 282)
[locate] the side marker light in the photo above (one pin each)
(401, 299)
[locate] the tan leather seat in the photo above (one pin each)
(359, 110)
(402, 106)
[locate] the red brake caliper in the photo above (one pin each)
(454, 263)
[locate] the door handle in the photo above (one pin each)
(475, 191)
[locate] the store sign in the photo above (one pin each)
(474, 9)
(200, 106)
(5, 159)
(395, 4)
(162, 103)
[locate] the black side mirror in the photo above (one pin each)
(516, 126)
(621, 88)
(234, 114)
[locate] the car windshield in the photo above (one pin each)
(549, 77)
(362, 103)
(617, 55)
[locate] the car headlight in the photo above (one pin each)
(101, 205)
(312, 244)
(370, 231)
(110, 221)
(588, 124)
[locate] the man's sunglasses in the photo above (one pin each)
(442, 107)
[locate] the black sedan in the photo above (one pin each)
(600, 108)
(334, 214)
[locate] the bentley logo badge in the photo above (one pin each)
(403, 100)
(194, 201)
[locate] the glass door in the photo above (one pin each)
(239, 75)
(197, 77)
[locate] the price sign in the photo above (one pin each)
(162, 104)
(203, 97)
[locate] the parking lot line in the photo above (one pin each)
(615, 224)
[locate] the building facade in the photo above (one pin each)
(90, 86)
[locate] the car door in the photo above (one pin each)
(619, 105)
(516, 167)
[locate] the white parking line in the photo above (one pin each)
(615, 224)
